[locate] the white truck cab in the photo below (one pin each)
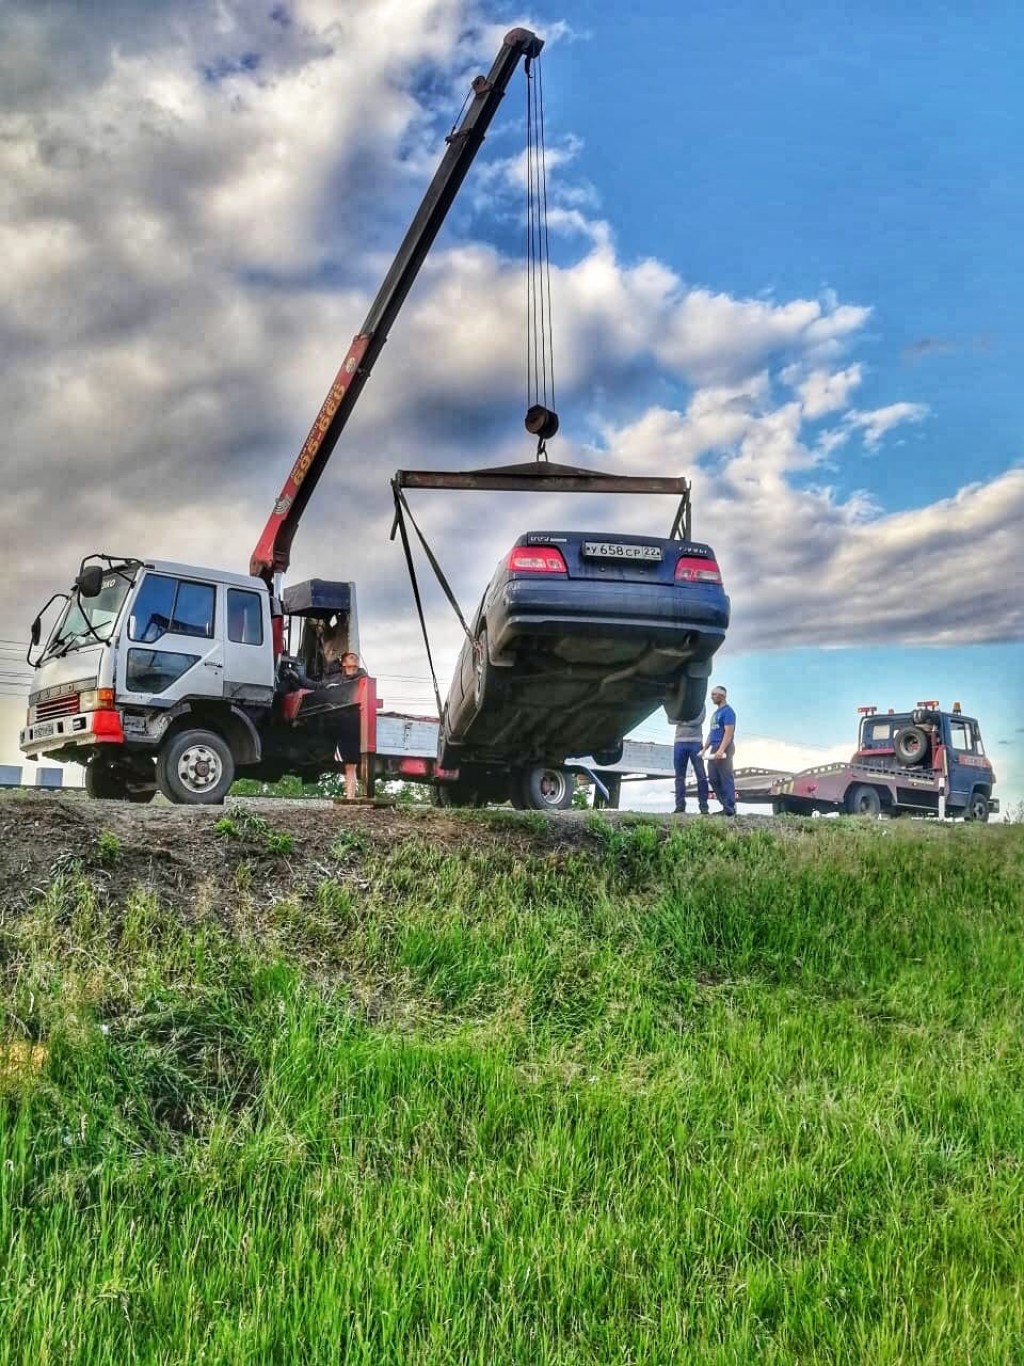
(155, 674)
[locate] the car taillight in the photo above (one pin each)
(536, 559)
(691, 569)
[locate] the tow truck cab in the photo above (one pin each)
(930, 741)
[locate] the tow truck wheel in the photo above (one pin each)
(195, 767)
(863, 801)
(547, 789)
(977, 808)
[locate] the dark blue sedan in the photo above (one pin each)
(578, 638)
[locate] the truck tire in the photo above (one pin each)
(912, 745)
(863, 800)
(105, 781)
(977, 809)
(547, 788)
(195, 768)
(114, 780)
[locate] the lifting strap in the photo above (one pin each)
(402, 510)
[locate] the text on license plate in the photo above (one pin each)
(615, 550)
(44, 730)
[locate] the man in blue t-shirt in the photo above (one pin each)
(721, 746)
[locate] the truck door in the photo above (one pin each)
(171, 647)
(962, 776)
(248, 657)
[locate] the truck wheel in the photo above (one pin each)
(106, 781)
(911, 745)
(547, 789)
(458, 794)
(195, 767)
(977, 809)
(863, 801)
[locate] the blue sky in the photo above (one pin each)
(786, 255)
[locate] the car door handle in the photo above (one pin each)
(208, 664)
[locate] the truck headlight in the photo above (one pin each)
(97, 699)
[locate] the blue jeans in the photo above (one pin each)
(688, 752)
(723, 783)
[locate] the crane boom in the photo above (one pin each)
(273, 550)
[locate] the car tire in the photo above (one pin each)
(912, 745)
(547, 788)
(481, 670)
(611, 755)
(195, 768)
(686, 699)
(977, 809)
(863, 800)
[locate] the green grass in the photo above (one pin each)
(725, 1096)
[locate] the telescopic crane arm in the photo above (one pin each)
(273, 550)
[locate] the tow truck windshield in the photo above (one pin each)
(92, 619)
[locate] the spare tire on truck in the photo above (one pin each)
(912, 745)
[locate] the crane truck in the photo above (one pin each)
(159, 675)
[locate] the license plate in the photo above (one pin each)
(44, 730)
(615, 550)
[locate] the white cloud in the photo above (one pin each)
(876, 423)
(823, 392)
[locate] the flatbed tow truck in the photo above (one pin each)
(924, 762)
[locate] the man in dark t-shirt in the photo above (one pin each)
(721, 747)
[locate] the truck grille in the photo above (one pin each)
(56, 706)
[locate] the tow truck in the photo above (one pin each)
(922, 762)
(170, 676)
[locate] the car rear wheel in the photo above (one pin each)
(481, 669)
(686, 699)
(196, 768)
(977, 808)
(911, 745)
(547, 789)
(610, 755)
(863, 801)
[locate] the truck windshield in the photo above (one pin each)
(92, 619)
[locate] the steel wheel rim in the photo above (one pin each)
(200, 768)
(552, 786)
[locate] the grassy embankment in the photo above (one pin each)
(724, 1096)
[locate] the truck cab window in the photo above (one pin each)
(245, 617)
(960, 736)
(177, 605)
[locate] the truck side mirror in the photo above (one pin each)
(37, 628)
(90, 581)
